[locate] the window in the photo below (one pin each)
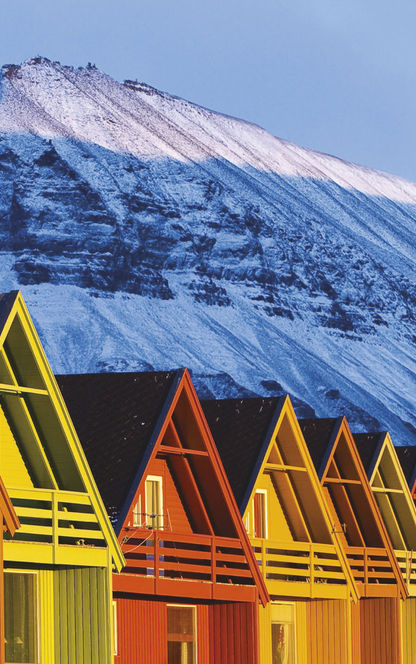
(247, 523)
(21, 621)
(283, 634)
(181, 635)
(260, 514)
(154, 502)
(137, 513)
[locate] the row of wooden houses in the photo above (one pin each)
(143, 526)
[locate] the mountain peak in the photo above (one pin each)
(147, 231)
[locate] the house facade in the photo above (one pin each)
(58, 565)
(397, 508)
(191, 586)
(360, 530)
(283, 508)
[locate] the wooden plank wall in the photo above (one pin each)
(47, 615)
(142, 631)
(82, 616)
(233, 633)
(409, 630)
(327, 632)
(380, 631)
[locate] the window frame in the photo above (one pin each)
(136, 515)
(282, 621)
(160, 517)
(266, 514)
(36, 602)
(194, 621)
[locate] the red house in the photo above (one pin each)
(191, 586)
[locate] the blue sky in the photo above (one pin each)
(339, 77)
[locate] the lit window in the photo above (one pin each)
(283, 634)
(154, 502)
(260, 514)
(247, 523)
(181, 635)
(20, 610)
(137, 513)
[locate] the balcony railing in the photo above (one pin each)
(300, 569)
(371, 567)
(170, 556)
(57, 518)
(407, 564)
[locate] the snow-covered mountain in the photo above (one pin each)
(146, 231)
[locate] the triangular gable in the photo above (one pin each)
(170, 426)
(10, 519)
(40, 448)
(277, 452)
(390, 488)
(350, 500)
(183, 436)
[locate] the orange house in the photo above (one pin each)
(10, 524)
(360, 529)
(191, 586)
(280, 498)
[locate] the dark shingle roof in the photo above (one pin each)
(115, 415)
(407, 457)
(239, 428)
(368, 445)
(6, 303)
(318, 435)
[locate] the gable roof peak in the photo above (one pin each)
(116, 416)
(369, 446)
(240, 429)
(320, 434)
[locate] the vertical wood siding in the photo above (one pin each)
(47, 617)
(380, 636)
(233, 633)
(142, 631)
(82, 616)
(327, 632)
(409, 630)
(202, 633)
(355, 633)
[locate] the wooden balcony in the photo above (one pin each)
(372, 571)
(197, 566)
(57, 527)
(407, 564)
(301, 569)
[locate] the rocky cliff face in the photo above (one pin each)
(146, 231)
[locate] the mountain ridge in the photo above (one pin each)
(132, 208)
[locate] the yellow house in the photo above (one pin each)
(58, 566)
(359, 527)
(397, 508)
(280, 498)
